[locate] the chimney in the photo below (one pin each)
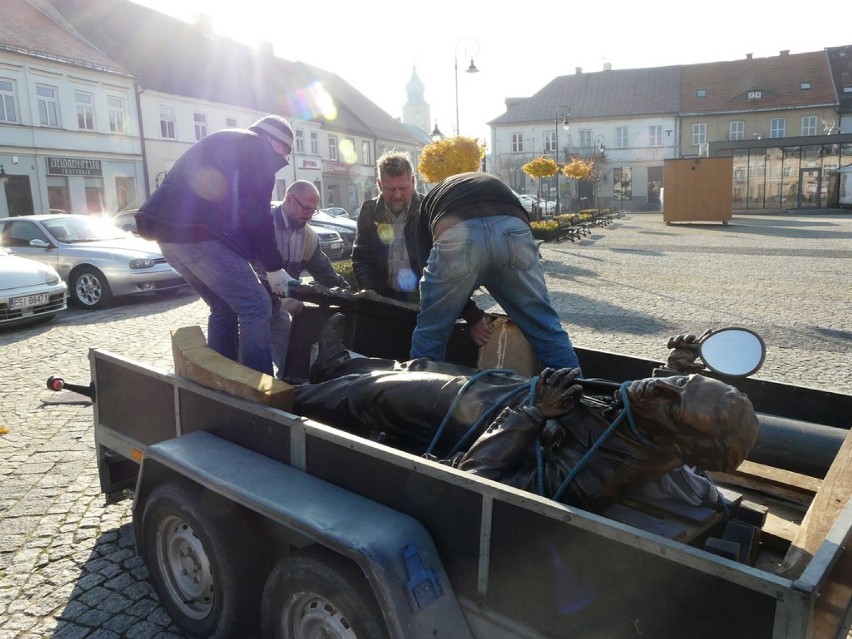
(578, 70)
(748, 56)
(607, 66)
(784, 52)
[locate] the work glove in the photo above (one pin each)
(280, 282)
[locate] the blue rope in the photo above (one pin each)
(625, 413)
(498, 405)
(457, 399)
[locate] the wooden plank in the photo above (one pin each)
(832, 497)
(646, 522)
(196, 361)
(795, 487)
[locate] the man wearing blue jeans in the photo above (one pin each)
(211, 218)
(476, 233)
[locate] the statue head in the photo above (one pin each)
(703, 421)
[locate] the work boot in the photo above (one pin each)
(330, 347)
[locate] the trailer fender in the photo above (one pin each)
(393, 550)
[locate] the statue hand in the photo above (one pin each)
(556, 393)
(685, 349)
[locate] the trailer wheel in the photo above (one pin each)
(319, 594)
(199, 553)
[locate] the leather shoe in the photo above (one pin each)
(330, 347)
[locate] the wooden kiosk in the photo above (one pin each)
(698, 190)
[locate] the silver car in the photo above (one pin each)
(97, 259)
(29, 290)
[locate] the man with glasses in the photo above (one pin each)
(211, 218)
(300, 249)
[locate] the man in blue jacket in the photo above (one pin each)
(211, 218)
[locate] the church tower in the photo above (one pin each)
(416, 110)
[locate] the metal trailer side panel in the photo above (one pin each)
(377, 538)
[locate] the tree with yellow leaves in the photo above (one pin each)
(443, 158)
(541, 167)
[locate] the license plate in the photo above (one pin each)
(29, 300)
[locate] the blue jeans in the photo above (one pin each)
(240, 308)
(500, 254)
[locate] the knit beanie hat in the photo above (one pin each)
(274, 127)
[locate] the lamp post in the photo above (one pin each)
(471, 69)
(4, 177)
(566, 111)
(436, 133)
(599, 148)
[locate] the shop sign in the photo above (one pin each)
(340, 168)
(310, 163)
(73, 166)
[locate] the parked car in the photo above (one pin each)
(330, 242)
(343, 225)
(96, 259)
(125, 220)
(335, 211)
(29, 291)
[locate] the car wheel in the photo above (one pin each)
(317, 593)
(199, 553)
(89, 288)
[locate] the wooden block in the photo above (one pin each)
(785, 484)
(199, 363)
(752, 513)
(747, 537)
(830, 500)
(722, 547)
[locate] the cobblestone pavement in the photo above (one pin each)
(68, 567)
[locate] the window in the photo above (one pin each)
(7, 102)
(621, 137)
(300, 141)
(85, 111)
(755, 95)
(167, 122)
(200, 120)
(622, 184)
(48, 105)
(777, 126)
(314, 143)
(115, 106)
(737, 130)
(332, 147)
(517, 143)
(701, 93)
(550, 141)
(366, 155)
(805, 86)
(230, 122)
(809, 125)
(584, 136)
(699, 134)
(655, 135)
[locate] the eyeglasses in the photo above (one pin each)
(306, 209)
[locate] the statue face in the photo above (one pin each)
(672, 402)
(685, 411)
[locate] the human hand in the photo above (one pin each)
(293, 306)
(685, 349)
(556, 393)
(480, 332)
(280, 282)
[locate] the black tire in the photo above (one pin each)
(317, 593)
(89, 288)
(202, 560)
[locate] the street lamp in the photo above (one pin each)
(471, 69)
(436, 133)
(599, 145)
(566, 111)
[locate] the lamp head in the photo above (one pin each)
(472, 68)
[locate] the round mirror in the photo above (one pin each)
(737, 352)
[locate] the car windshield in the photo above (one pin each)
(82, 228)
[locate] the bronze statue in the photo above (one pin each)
(498, 424)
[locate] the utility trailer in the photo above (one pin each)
(245, 513)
